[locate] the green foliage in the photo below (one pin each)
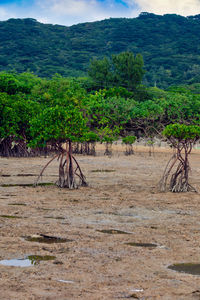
(129, 139)
(182, 132)
(91, 137)
(13, 83)
(42, 111)
(118, 91)
(58, 124)
(108, 111)
(58, 90)
(27, 81)
(182, 108)
(16, 111)
(107, 134)
(147, 117)
(63, 115)
(8, 120)
(156, 93)
(169, 45)
(9, 84)
(100, 73)
(151, 116)
(149, 109)
(128, 70)
(108, 114)
(122, 70)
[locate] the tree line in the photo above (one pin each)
(41, 115)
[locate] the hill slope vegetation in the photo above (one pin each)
(170, 45)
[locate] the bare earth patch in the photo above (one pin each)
(121, 233)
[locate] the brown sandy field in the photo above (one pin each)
(94, 264)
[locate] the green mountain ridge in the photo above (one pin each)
(170, 45)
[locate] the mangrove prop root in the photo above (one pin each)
(69, 170)
(40, 175)
(129, 150)
(81, 176)
(86, 148)
(168, 168)
(179, 181)
(108, 150)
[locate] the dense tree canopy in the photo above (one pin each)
(169, 45)
(46, 111)
(56, 113)
(123, 70)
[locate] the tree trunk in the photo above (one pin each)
(108, 150)
(129, 149)
(66, 169)
(179, 181)
(69, 169)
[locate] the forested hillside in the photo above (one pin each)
(170, 46)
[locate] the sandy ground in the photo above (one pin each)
(97, 265)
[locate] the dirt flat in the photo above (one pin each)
(121, 205)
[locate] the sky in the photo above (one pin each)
(69, 12)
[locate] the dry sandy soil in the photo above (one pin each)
(95, 264)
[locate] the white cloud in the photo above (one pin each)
(77, 7)
(68, 12)
(4, 14)
(64, 11)
(182, 7)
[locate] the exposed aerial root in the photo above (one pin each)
(166, 173)
(179, 179)
(69, 169)
(40, 175)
